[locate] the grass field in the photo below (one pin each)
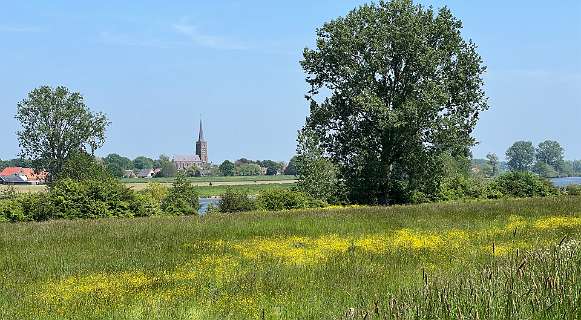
(512, 259)
(251, 179)
(204, 189)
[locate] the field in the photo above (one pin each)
(230, 179)
(512, 259)
(204, 188)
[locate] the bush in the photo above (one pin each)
(282, 199)
(236, 201)
(573, 190)
(523, 184)
(462, 187)
(182, 198)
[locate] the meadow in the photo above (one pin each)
(203, 188)
(510, 258)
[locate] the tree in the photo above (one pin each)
(291, 168)
(117, 164)
(182, 198)
(143, 163)
(521, 156)
(272, 167)
(545, 170)
(56, 123)
(168, 168)
(248, 169)
(317, 174)
(81, 166)
(398, 88)
(227, 168)
(551, 153)
(494, 163)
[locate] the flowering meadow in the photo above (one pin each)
(509, 259)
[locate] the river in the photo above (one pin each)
(566, 181)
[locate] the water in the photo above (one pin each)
(204, 202)
(567, 181)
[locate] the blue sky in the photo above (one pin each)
(154, 67)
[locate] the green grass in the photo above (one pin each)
(204, 190)
(511, 259)
(215, 179)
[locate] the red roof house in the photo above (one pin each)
(29, 173)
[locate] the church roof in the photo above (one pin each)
(187, 158)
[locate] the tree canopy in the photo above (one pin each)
(551, 153)
(55, 124)
(521, 156)
(394, 87)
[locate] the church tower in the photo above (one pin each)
(202, 146)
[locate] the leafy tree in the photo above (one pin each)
(494, 163)
(117, 164)
(143, 163)
(398, 87)
(182, 198)
(551, 153)
(227, 168)
(168, 168)
(272, 167)
(81, 166)
(545, 170)
(291, 168)
(56, 123)
(317, 174)
(521, 156)
(248, 169)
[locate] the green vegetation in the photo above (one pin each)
(215, 179)
(56, 123)
(394, 91)
(516, 259)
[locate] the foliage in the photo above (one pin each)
(81, 166)
(462, 187)
(285, 199)
(494, 164)
(573, 190)
(521, 184)
(317, 175)
(227, 168)
(117, 164)
(182, 198)
(55, 124)
(399, 87)
(236, 201)
(248, 169)
(291, 168)
(168, 168)
(551, 153)
(18, 162)
(521, 156)
(545, 170)
(142, 162)
(272, 167)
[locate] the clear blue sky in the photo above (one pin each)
(153, 67)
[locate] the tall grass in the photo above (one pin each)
(446, 260)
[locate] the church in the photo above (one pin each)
(185, 162)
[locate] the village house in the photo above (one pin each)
(19, 175)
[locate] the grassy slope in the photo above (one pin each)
(303, 264)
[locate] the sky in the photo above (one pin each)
(156, 67)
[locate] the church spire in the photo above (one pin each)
(201, 134)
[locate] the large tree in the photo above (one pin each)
(551, 153)
(143, 163)
(55, 124)
(227, 168)
(520, 156)
(394, 88)
(117, 164)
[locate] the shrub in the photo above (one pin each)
(90, 199)
(461, 187)
(182, 198)
(281, 199)
(236, 201)
(573, 190)
(523, 184)
(11, 210)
